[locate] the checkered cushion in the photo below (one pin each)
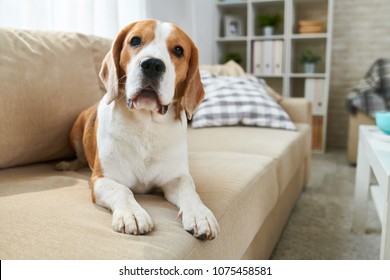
(238, 100)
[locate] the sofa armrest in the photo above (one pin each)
(299, 109)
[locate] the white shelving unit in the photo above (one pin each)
(291, 82)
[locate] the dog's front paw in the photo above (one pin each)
(63, 166)
(200, 222)
(69, 165)
(132, 221)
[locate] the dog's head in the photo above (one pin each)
(153, 64)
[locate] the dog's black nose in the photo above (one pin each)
(153, 67)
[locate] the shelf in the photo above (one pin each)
(232, 4)
(310, 1)
(288, 44)
(272, 37)
(266, 8)
(265, 1)
(316, 45)
(309, 36)
(308, 75)
(270, 76)
(231, 39)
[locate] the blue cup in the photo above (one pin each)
(383, 121)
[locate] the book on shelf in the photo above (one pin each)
(257, 59)
(278, 57)
(315, 91)
(268, 57)
(311, 26)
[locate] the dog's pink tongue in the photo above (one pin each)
(147, 100)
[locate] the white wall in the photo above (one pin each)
(203, 28)
(195, 17)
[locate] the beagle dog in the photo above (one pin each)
(134, 139)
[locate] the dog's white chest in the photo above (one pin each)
(139, 151)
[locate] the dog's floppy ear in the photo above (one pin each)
(193, 92)
(110, 72)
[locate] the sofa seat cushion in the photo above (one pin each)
(49, 215)
(287, 148)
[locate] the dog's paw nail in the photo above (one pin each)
(129, 103)
(135, 222)
(202, 236)
(180, 215)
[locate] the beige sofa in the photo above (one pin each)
(249, 177)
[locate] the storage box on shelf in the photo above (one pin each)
(305, 25)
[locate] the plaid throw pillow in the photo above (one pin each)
(238, 100)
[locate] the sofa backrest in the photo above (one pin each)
(46, 80)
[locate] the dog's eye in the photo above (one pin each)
(178, 51)
(135, 41)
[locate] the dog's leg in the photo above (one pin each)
(127, 215)
(76, 141)
(196, 217)
(76, 164)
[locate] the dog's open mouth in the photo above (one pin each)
(147, 99)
